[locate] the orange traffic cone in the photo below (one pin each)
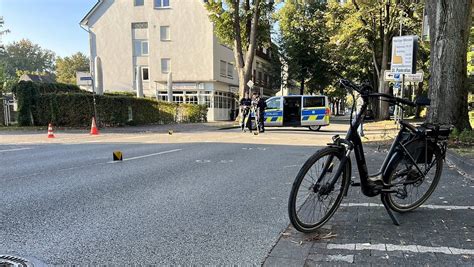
(94, 130)
(50, 131)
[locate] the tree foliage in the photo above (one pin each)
(24, 55)
(242, 25)
(303, 38)
(66, 67)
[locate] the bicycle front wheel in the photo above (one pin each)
(312, 200)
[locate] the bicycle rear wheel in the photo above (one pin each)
(312, 202)
(413, 189)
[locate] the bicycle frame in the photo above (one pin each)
(371, 185)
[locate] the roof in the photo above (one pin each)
(37, 78)
(94, 8)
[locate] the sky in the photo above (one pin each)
(53, 24)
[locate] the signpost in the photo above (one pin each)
(403, 63)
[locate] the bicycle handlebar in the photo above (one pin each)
(364, 90)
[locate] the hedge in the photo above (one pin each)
(72, 108)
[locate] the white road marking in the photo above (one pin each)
(433, 207)
(149, 155)
(16, 149)
(346, 258)
(407, 248)
(203, 161)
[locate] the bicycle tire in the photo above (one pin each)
(292, 202)
(418, 202)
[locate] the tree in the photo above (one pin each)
(2, 32)
(449, 24)
(66, 67)
(303, 38)
(242, 25)
(27, 56)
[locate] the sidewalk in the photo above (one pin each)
(440, 233)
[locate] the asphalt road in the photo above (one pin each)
(176, 203)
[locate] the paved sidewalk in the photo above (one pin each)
(440, 233)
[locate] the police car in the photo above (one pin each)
(298, 110)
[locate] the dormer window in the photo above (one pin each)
(162, 3)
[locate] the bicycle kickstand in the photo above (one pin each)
(390, 212)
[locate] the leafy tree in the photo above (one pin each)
(303, 36)
(361, 36)
(66, 67)
(2, 32)
(449, 23)
(27, 56)
(242, 25)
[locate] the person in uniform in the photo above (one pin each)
(261, 105)
(245, 104)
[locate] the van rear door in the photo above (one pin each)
(314, 111)
(274, 112)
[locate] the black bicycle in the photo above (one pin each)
(408, 175)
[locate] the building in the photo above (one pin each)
(159, 37)
(37, 78)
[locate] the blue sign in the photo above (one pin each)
(396, 76)
(85, 78)
(397, 85)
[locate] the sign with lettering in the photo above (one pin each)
(404, 54)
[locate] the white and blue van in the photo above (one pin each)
(298, 110)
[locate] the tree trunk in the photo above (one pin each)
(302, 87)
(419, 91)
(449, 25)
(383, 88)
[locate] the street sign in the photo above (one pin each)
(417, 77)
(250, 83)
(404, 54)
(396, 76)
(391, 77)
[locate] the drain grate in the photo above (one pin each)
(13, 261)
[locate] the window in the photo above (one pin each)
(274, 103)
(162, 3)
(230, 70)
(144, 47)
(139, 2)
(140, 25)
(145, 75)
(313, 102)
(165, 65)
(140, 48)
(165, 33)
(259, 77)
(223, 68)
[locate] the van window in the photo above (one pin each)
(274, 103)
(313, 102)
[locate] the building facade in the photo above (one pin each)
(140, 42)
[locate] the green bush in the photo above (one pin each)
(465, 136)
(63, 105)
(193, 113)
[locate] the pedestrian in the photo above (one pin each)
(261, 105)
(245, 104)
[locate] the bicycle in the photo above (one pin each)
(408, 176)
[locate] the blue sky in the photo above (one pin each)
(53, 24)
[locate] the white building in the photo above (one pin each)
(155, 37)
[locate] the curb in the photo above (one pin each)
(461, 163)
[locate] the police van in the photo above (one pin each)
(298, 110)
